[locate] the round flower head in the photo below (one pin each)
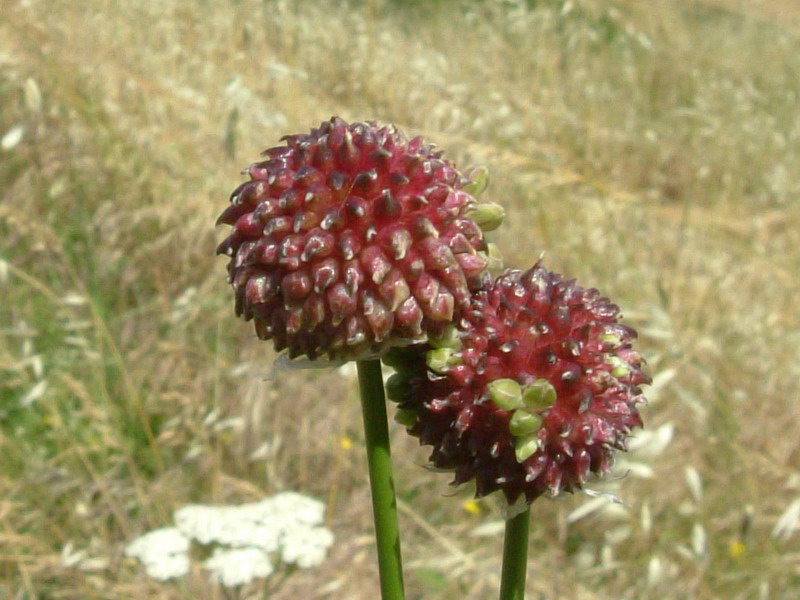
(532, 391)
(352, 239)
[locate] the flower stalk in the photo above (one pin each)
(384, 504)
(515, 556)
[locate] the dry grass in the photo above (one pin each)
(652, 152)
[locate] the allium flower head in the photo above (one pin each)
(533, 390)
(352, 238)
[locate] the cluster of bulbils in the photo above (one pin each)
(353, 242)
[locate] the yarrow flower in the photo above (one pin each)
(352, 239)
(238, 566)
(531, 392)
(164, 553)
(273, 524)
(288, 526)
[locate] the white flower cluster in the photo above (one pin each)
(164, 553)
(288, 525)
(238, 566)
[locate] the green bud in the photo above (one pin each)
(612, 339)
(525, 447)
(401, 360)
(440, 359)
(495, 257)
(448, 339)
(405, 417)
(539, 395)
(397, 387)
(524, 423)
(619, 367)
(479, 177)
(505, 393)
(488, 215)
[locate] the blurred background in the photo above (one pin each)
(650, 149)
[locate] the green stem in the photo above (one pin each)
(379, 459)
(515, 556)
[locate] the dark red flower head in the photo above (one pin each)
(352, 238)
(532, 391)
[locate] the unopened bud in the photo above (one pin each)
(397, 387)
(495, 257)
(401, 360)
(619, 367)
(488, 215)
(440, 359)
(539, 395)
(479, 180)
(506, 394)
(448, 339)
(525, 447)
(524, 423)
(405, 417)
(611, 338)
